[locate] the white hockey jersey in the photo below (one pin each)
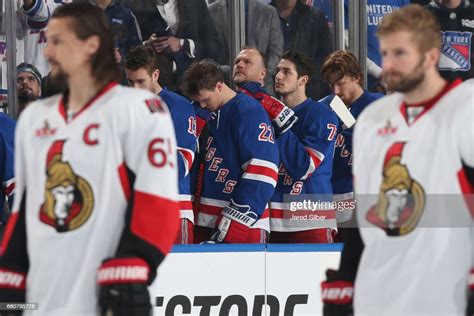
(88, 184)
(412, 205)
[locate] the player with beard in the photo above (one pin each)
(28, 85)
(96, 183)
(306, 151)
(343, 73)
(413, 178)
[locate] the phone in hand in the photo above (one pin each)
(163, 32)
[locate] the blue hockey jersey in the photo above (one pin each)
(342, 165)
(240, 163)
(182, 114)
(306, 153)
(7, 133)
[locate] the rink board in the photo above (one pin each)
(243, 279)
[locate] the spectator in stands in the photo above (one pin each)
(456, 18)
(305, 29)
(262, 31)
(239, 172)
(343, 73)
(376, 9)
(124, 26)
(28, 85)
(182, 29)
(143, 71)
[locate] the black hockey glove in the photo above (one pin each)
(124, 287)
(470, 295)
(282, 116)
(337, 292)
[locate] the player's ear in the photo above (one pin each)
(155, 75)
(432, 56)
(92, 44)
(219, 86)
(303, 80)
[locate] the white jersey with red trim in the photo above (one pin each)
(413, 207)
(89, 182)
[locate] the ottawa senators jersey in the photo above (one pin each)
(101, 183)
(414, 204)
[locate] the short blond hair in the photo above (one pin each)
(416, 20)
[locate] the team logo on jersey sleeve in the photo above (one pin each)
(401, 200)
(456, 52)
(68, 197)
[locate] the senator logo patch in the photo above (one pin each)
(401, 199)
(68, 200)
(456, 52)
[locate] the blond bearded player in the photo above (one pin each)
(414, 180)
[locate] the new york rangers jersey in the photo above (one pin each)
(99, 184)
(182, 114)
(341, 179)
(457, 28)
(413, 204)
(7, 133)
(306, 153)
(240, 163)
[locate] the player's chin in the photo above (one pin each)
(279, 89)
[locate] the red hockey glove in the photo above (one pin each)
(234, 224)
(12, 288)
(337, 293)
(470, 297)
(283, 118)
(202, 117)
(124, 287)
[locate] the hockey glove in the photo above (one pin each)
(234, 223)
(124, 287)
(12, 288)
(470, 297)
(282, 116)
(202, 117)
(337, 292)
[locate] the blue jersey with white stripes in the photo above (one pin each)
(241, 161)
(342, 165)
(7, 133)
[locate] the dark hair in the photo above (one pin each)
(202, 75)
(142, 57)
(88, 20)
(303, 65)
(25, 67)
(145, 57)
(339, 64)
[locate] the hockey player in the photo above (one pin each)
(343, 73)
(306, 151)
(240, 164)
(7, 190)
(96, 209)
(142, 68)
(413, 170)
(28, 85)
(456, 18)
(249, 65)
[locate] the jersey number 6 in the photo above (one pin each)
(157, 154)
